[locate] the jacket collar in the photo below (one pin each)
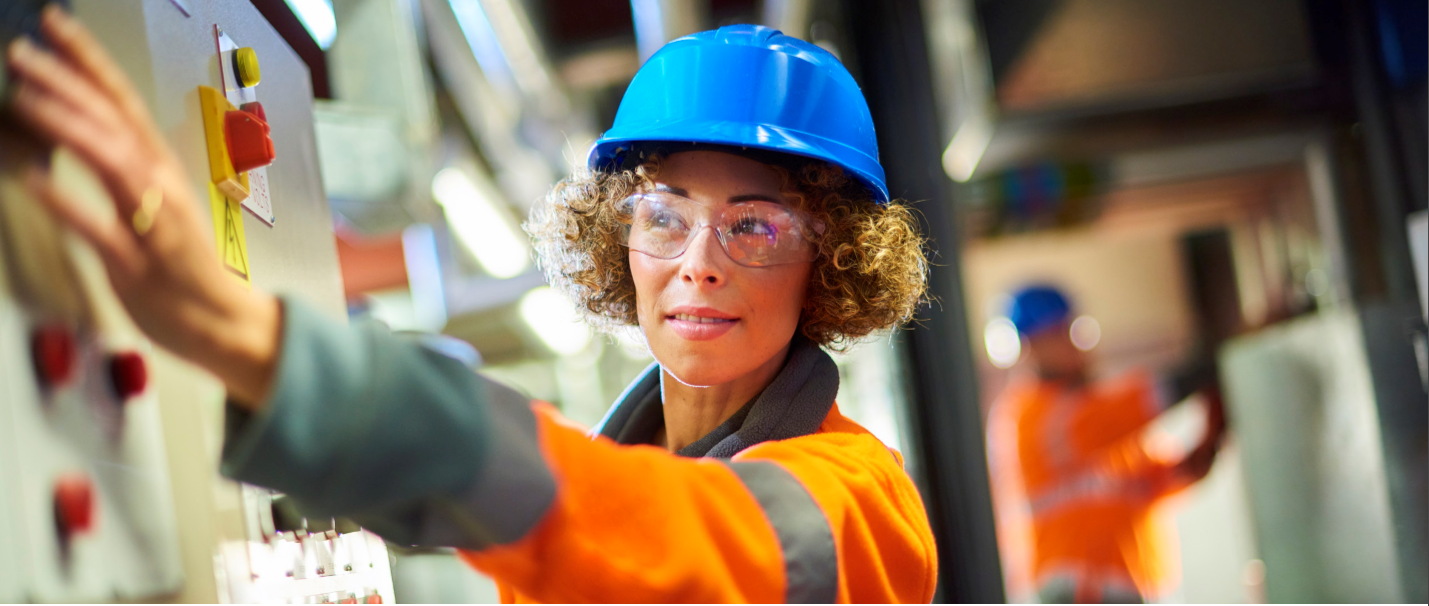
(794, 404)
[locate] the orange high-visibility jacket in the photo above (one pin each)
(1076, 488)
(792, 502)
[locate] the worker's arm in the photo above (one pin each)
(1196, 376)
(365, 424)
(821, 518)
(1128, 459)
(420, 449)
(1101, 449)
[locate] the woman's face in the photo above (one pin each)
(709, 320)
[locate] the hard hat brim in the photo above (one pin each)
(767, 137)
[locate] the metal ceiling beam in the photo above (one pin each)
(788, 16)
(660, 21)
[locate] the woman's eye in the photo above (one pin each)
(752, 226)
(663, 220)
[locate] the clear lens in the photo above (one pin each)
(658, 229)
(754, 234)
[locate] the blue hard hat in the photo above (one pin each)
(1037, 308)
(747, 86)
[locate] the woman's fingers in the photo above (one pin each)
(115, 244)
(82, 101)
(63, 82)
(75, 44)
(112, 156)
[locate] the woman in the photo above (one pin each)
(725, 472)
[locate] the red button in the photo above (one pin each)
(128, 374)
(256, 109)
(74, 504)
(249, 145)
(373, 598)
(53, 349)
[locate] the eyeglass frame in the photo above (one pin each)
(804, 225)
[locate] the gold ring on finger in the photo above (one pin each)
(149, 205)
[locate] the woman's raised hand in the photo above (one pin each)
(159, 251)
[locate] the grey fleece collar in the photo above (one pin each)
(793, 405)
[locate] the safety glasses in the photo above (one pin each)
(753, 234)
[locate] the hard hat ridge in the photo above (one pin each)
(747, 86)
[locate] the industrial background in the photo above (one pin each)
(1240, 182)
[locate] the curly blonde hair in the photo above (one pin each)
(870, 273)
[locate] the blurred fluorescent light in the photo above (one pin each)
(317, 18)
(1004, 347)
(649, 27)
(485, 46)
(1086, 333)
(479, 223)
(966, 150)
(550, 315)
(1317, 282)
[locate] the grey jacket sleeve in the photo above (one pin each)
(402, 439)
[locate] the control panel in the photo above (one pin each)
(109, 446)
(308, 560)
(86, 497)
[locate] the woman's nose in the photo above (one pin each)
(704, 261)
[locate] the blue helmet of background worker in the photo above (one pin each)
(1037, 308)
(750, 87)
(1042, 315)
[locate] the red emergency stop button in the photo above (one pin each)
(74, 504)
(128, 374)
(249, 143)
(54, 351)
(256, 109)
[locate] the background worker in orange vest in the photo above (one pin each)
(1075, 484)
(725, 473)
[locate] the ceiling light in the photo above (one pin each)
(480, 224)
(553, 319)
(1004, 347)
(1086, 333)
(971, 141)
(317, 18)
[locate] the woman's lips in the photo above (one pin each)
(700, 325)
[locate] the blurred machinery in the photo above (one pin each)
(1315, 462)
(109, 447)
(87, 513)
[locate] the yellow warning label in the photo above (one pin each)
(228, 233)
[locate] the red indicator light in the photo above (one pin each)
(128, 374)
(74, 504)
(54, 351)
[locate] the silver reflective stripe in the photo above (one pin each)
(513, 490)
(810, 560)
(1079, 489)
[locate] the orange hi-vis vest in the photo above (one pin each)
(786, 501)
(637, 524)
(1076, 489)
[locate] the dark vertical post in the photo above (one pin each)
(892, 56)
(287, 24)
(1390, 320)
